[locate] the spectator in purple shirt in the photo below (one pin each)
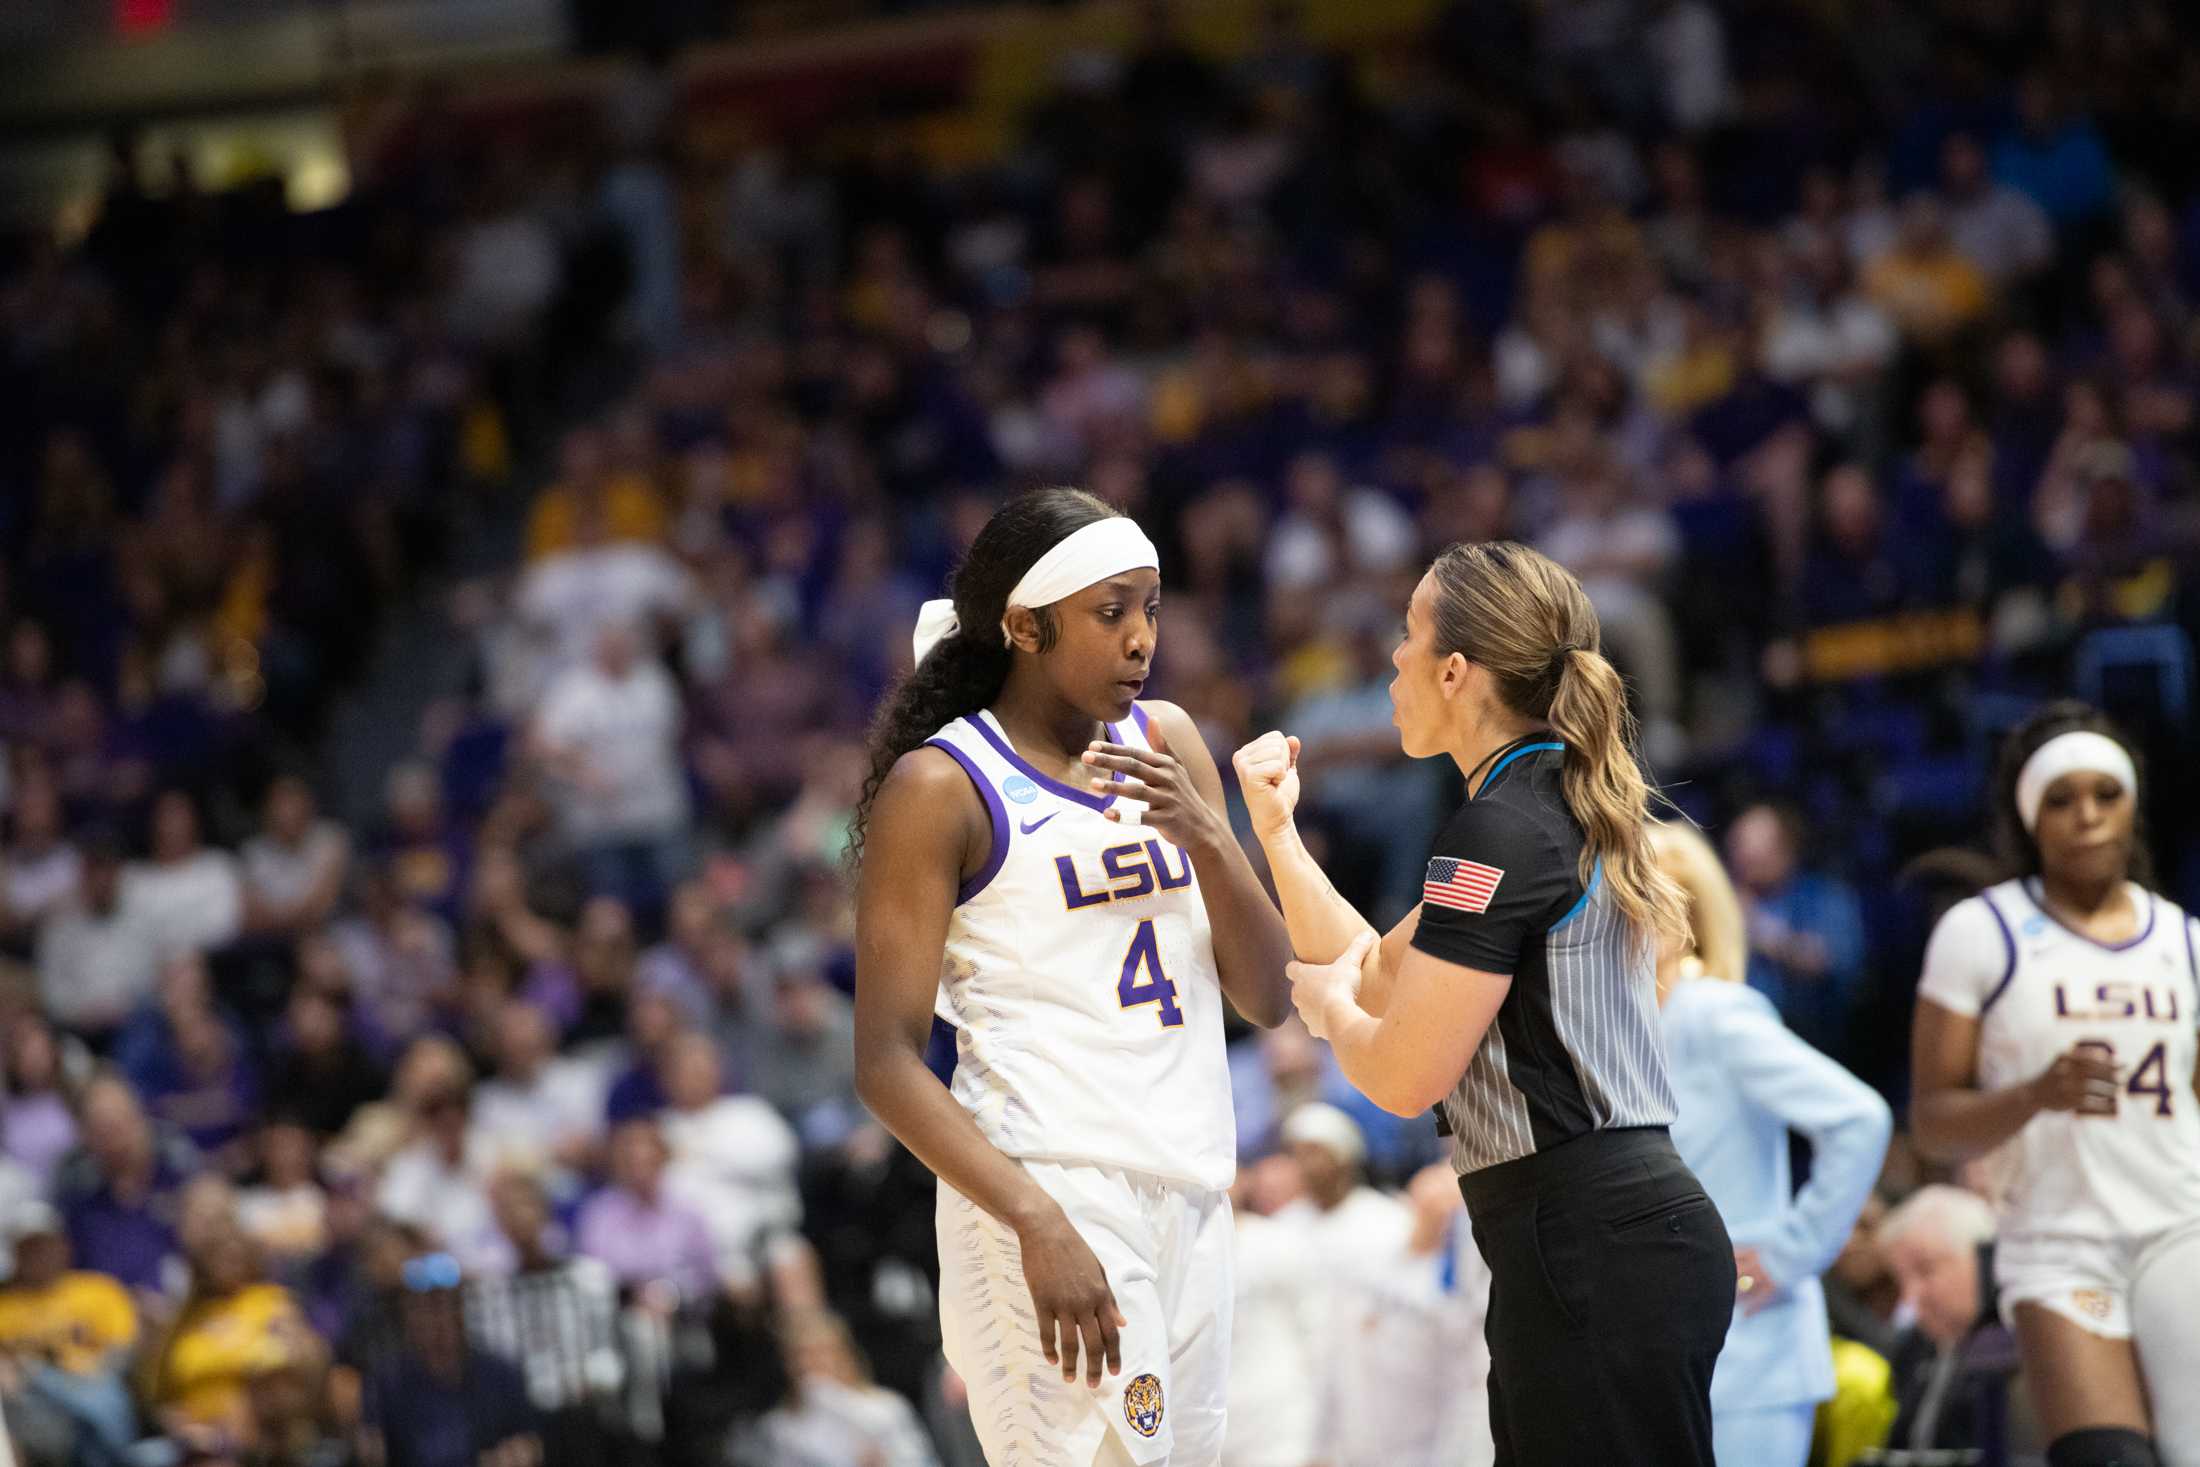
(119, 1191)
(678, 966)
(37, 1127)
(638, 1089)
(649, 1241)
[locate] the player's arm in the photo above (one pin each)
(1968, 964)
(1182, 789)
(925, 826)
(1953, 1120)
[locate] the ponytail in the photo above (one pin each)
(961, 675)
(1605, 790)
(967, 669)
(1520, 615)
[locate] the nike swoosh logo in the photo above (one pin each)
(1028, 826)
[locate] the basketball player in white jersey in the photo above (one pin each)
(1046, 869)
(2055, 1037)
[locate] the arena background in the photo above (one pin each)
(467, 471)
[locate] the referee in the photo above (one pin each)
(1521, 995)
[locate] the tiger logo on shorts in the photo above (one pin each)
(2094, 1302)
(1142, 1406)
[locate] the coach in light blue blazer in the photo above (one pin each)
(1743, 1081)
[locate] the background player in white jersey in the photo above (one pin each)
(1045, 864)
(2055, 1035)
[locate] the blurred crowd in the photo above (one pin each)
(1848, 357)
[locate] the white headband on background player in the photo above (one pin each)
(1082, 558)
(2079, 752)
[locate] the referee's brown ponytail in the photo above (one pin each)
(1520, 615)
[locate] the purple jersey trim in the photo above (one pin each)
(984, 726)
(995, 811)
(2192, 956)
(2009, 942)
(2107, 947)
(1145, 726)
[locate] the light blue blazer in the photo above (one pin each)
(1742, 1081)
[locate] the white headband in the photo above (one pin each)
(1085, 557)
(2081, 750)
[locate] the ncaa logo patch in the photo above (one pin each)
(1142, 1406)
(1019, 789)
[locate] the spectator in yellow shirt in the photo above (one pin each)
(628, 503)
(64, 1335)
(1925, 283)
(232, 1328)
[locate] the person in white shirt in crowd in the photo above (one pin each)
(286, 1210)
(295, 868)
(39, 869)
(537, 1104)
(1277, 1351)
(1743, 1082)
(567, 600)
(189, 895)
(97, 956)
(609, 732)
(1340, 1215)
(1408, 1332)
(834, 1414)
(1687, 53)
(1829, 338)
(1331, 529)
(733, 1158)
(439, 1180)
(1998, 228)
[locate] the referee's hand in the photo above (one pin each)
(1320, 990)
(1268, 777)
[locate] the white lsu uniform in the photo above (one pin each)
(1080, 980)
(2093, 1208)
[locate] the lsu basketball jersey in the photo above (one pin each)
(2037, 988)
(1080, 979)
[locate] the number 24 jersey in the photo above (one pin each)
(1080, 978)
(2036, 988)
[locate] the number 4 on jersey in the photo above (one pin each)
(2156, 1064)
(1144, 957)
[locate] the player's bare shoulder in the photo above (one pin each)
(926, 802)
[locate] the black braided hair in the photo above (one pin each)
(965, 671)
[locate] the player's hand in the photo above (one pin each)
(2084, 1079)
(1754, 1287)
(1158, 780)
(1319, 989)
(1075, 1308)
(1268, 777)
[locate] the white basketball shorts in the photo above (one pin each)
(2087, 1281)
(1166, 1249)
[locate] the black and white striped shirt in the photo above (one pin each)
(1575, 1046)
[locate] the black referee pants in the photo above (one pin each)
(1612, 1285)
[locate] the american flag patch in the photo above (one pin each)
(1464, 886)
